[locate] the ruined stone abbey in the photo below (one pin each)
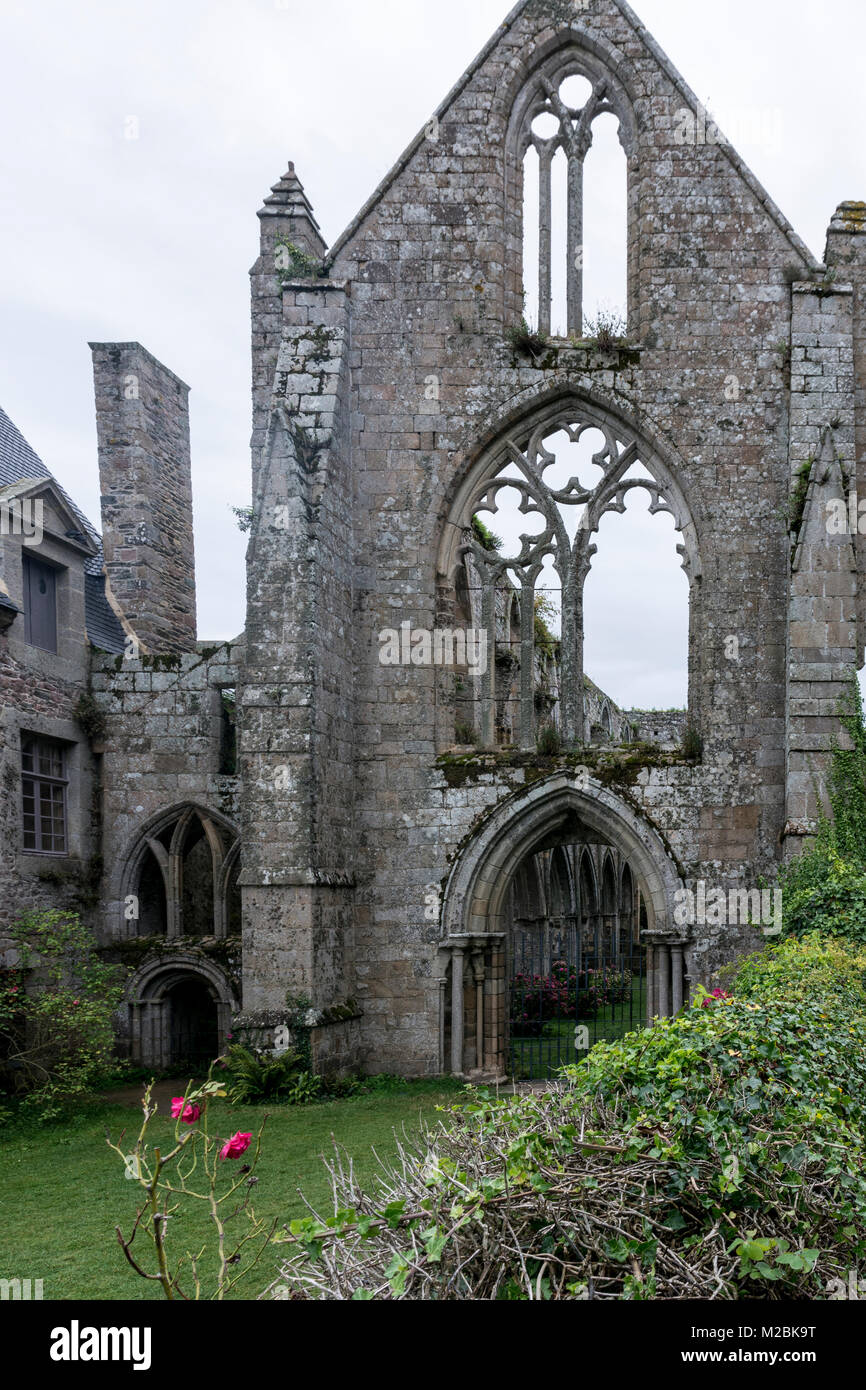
(289, 815)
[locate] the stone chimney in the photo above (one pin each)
(142, 423)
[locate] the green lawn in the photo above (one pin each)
(62, 1190)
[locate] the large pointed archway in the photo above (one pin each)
(566, 809)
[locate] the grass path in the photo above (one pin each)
(62, 1190)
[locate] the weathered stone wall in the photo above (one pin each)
(163, 747)
(297, 733)
(40, 693)
(664, 727)
(33, 701)
(429, 281)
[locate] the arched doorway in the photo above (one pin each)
(507, 941)
(180, 1010)
(192, 1023)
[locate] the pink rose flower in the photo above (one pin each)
(716, 994)
(237, 1145)
(188, 1114)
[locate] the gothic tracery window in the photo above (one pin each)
(568, 235)
(528, 519)
(182, 878)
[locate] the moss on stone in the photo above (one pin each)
(161, 661)
(610, 767)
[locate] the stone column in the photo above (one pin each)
(663, 979)
(135, 1030)
(478, 976)
(676, 977)
(457, 951)
(442, 981)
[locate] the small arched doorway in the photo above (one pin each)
(180, 1010)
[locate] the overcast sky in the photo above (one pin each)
(104, 237)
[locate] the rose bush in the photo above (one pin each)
(191, 1173)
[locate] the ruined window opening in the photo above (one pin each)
(543, 497)
(152, 902)
(605, 231)
(182, 879)
(228, 758)
(197, 884)
(636, 600)
(575, 202)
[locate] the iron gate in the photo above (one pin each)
(570, 988)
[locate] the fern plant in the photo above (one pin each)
(253, 1077)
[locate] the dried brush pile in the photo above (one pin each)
(717, 1156)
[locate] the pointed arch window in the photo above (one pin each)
(563, 109)
(545, 489)
(182, 878)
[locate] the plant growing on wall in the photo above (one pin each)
(606, 330)
(526, 341)
(292, 261)
(824, 889)
(91, 718)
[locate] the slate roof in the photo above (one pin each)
(17, 462)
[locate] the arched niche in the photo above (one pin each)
(179, 877)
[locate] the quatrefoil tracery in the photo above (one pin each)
(537, 498)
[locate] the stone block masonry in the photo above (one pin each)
(376, 835)
(142, 421)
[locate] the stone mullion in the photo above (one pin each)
(575, 244)
(174, 908)
(676, 977)
(663, 979)
(572, 661)
(488, 676)
(527, 664)
(545, 161)
(457, 1008)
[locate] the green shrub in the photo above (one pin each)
(255, 1077)
(485, 536)
(56, 1014)
(824, 889)
(718, 1155)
